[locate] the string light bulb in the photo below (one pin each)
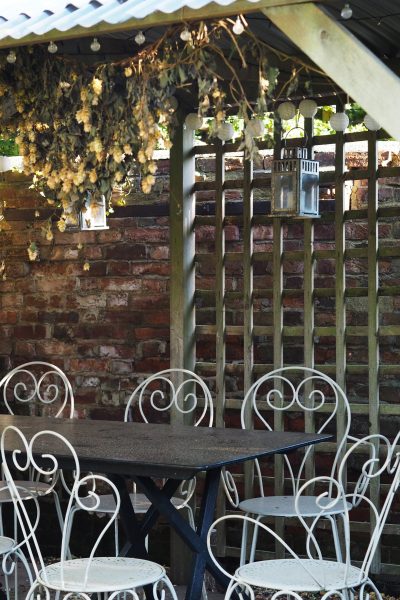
(52, 48)
(95, 45)
(11, 57)
(186, 36)
(346, 12)
(238, 27)
(140, 38)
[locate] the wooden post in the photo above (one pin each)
(373, 320)
(220, 341)
(182, 287)
(309, 416)
(277, 293)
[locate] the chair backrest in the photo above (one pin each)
(39, 455)
(370, 458)
(37, 388)
(170, 390)
(284, 393)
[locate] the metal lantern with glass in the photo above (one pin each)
(295, 190)
(94, 213)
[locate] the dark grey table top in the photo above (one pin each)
(175, 451)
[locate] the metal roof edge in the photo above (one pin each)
(156, 18)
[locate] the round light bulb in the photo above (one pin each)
(11, 57)
(186, 36)
(371, 124)
(339, 121)
(286, 111)
(140, 38)
(346, 12)
(95, 45)
(52, 48)
(194, 121)
(225, 131)
(308, 108)
(238, 26)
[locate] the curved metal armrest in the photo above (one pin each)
(230, 487)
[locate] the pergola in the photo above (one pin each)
(360, 56)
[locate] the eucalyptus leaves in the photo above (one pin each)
(82, 129)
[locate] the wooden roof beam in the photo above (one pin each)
(344, 59)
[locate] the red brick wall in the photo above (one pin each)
(104, 327)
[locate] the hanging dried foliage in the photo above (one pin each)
(81, 128)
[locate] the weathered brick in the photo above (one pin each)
(8, 317)
(118, 267)
(125, 252)
(30, 332)
(80, 365)
(51, 348)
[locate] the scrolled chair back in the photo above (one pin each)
(277, 396)
(304, 390)
(39, 388)
(178, 390)
(40, 455)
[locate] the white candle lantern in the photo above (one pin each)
(93, 216)
(295, 184)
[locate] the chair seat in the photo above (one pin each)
(140, 503)
(303, 575)
(283, 506)
(6, 544)
(27, 489)
(106, 574)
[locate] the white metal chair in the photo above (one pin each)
(37, 388)
(293, 575)
(82, 576)
(153, 401)
(271, 399)
(10, 553)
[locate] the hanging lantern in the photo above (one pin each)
(295, 190)
(93, 215)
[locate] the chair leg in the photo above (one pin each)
(254, 540)
(336, 537)
(116, 537)
(58, 510)
(68, 532)
(243, 547)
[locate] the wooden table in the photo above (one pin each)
(142, 452)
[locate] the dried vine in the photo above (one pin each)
(81, 129)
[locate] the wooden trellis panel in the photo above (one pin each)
(268, 330)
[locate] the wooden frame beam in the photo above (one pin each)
(343, 58)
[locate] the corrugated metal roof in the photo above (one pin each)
(24, 18)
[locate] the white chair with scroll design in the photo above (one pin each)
(283, 393)
(37, 388)
(289, 577)
(152, 401)
(10, 553)
(82, 576)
